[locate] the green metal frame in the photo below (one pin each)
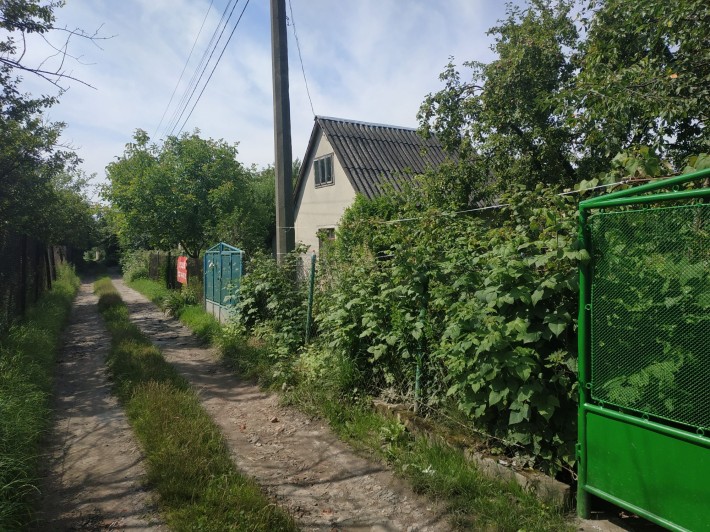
(652, 468)
(215, 291)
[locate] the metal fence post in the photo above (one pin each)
(311, 286)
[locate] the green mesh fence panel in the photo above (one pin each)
(650, 314)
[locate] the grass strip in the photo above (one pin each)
(188, 461)
(201, 323)
(27, 357)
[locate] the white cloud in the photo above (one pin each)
(371, 60)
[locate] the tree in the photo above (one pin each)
(22, 18)
(187, 192)
(41, 190)
(555, 108)
(644, 78)
(505, 120)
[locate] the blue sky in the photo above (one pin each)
(369, 60)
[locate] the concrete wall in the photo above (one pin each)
(322, 207)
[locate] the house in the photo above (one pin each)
(345, 158)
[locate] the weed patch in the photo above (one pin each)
(188, 460)
(27, 356)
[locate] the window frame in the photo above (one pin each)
(319, 165)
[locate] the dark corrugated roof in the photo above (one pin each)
(375, 155)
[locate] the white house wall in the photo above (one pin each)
(322, 207)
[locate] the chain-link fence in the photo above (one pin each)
(651, 312)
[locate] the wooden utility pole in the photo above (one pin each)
(285, 233)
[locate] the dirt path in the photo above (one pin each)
(94, 467)
(323, 482)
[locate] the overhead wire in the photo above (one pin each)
(200, 69)
(236, 25)
(189, 56)
(193, 79)
(207, 65)
(300, 58)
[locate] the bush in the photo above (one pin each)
(272, 305)
(482, 309)
(135, 264)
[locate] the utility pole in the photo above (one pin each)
(285, 233)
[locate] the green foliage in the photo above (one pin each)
(644, 77)
(189, 192)
(505, 122)
(41, 192)
(483, 306)
(27, 358)
(188, 460)
(135, 264)
(554, 107)
(272, 304)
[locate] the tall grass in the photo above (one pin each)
(188, 461)
(27, 357)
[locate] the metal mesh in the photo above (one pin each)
(650, 315)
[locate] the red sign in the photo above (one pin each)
(182, 270)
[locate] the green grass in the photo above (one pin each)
(27, 358)
(188, 461)
(204, 325)
(153, 290)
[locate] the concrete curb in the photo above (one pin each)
(546, 488)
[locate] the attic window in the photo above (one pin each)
(324, 170)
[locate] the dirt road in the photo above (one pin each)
(324, 483)
(94, 468)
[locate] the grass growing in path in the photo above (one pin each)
(27, 357)
(203, 324)
(188, 461)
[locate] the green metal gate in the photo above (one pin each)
(223, 274)
(644, 352)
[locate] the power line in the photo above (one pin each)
(200, 70)
(300, 58)
(173, 117)
(215, 65)
(205, 68)
(209, 8)
(502, 205)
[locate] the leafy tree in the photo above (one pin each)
(558, 108)
(189, 192)
(41, 191)
(504, 121)
(644, 78)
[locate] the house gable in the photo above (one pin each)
(368, 159)
(320, 207)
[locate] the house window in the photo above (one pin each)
(324, 170)
(326, 235)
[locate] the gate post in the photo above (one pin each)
(583, 502)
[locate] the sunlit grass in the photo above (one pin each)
(27, 358)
